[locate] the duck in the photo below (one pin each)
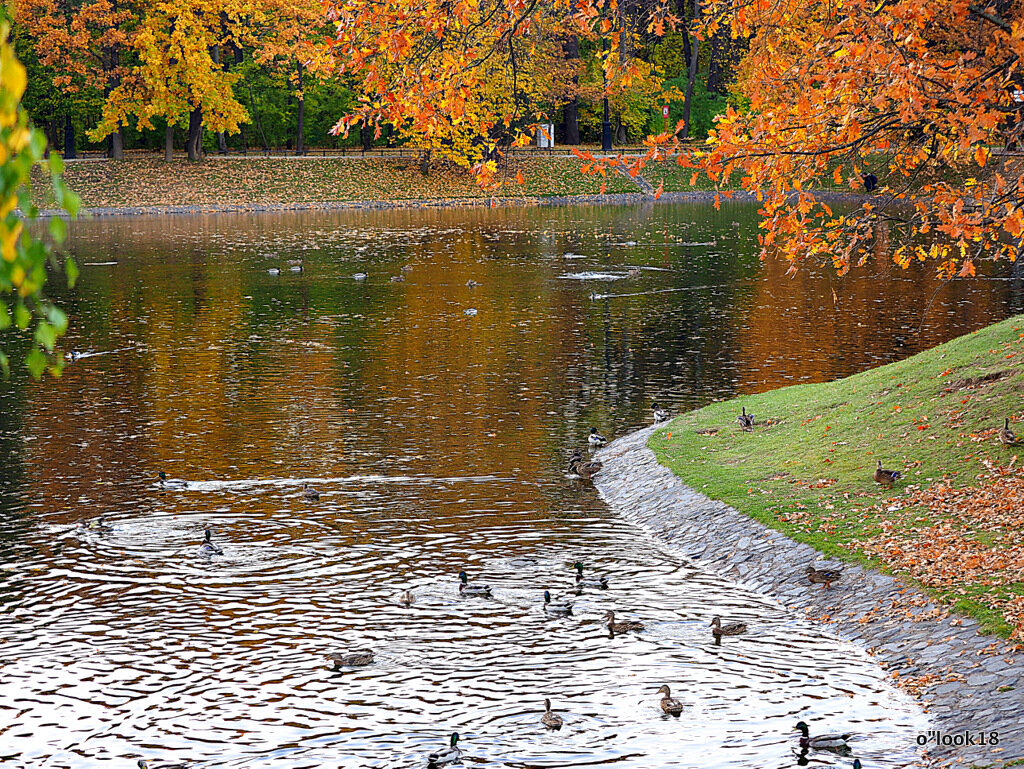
(670, 704)
(274, 271)
(886, 477)
(407, 598)
(143, 763)
(296, 268)
(856, 763)
(356, 659)
(834, 742)
(471, 284)
(449, 755)
(549, 719)
(560, 606)
(397, 278)
(660, 415)
(1007, 436)
(823, 577)
(95, 525)
(171, 483)
(360, 276)
(466, 590)
(406, 268)
(600, 582)
(746, 420)
(583, 469)
(621, 627)
(731, 628)
(74, 355)
(310, 493)
(208, 548)
(596, 439)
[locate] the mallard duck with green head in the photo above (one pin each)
(660, 415)
(621, 627)
(208, 548)
(599, 582)
(557, 606)
(354, 659)
(310, 493)
(474, 589)
(670, 704)
(823, 577)
(172, 484)
(450, 755)
(595, 438)
(549, 719)
(832, 742)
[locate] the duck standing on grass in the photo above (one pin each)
(596, 439)
(449, 755)
(1006, 436)
(746, 420)
(467, 590)
(549, 719)
(670, 704)
(835, 743)
(660, 415)
(823, 577)
(886, 477)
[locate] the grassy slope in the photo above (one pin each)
(809, 473)
(148, 181)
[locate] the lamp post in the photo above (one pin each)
(606, 126)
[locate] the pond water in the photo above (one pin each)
(437, 439)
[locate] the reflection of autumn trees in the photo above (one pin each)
(234, 373)
(791, 330)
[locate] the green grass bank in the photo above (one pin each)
(954, 524)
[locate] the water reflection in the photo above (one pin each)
(436, 440)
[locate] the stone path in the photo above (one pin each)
(969, 683)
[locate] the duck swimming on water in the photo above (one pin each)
(450, 755)
(208, 548)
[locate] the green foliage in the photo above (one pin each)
(25, 312)
(702, 111)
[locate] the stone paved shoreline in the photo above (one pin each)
(968, 682)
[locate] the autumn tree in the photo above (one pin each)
(908, 100)
(178, 71)
(82, 43)
(464, 77)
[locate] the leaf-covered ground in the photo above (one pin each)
(148, 181)
(954, 524)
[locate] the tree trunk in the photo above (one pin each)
(621, 134)
(222, 140)
(115, 149)
(716, 61)
(169, 142)
(69, 138)
(194, 143)
(366, 134)
(571, 111)
(694, 51)
(300, 139)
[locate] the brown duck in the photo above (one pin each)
(823, 577)
(670, 704)
(621, 627)
(731, 628)
(583, 469)
(1007, 436)
(886, 477)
